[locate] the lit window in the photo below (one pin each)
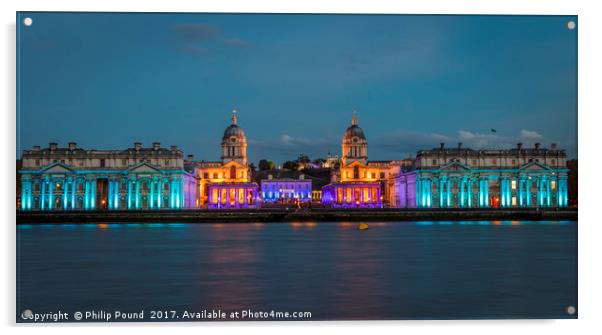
(553, 184)
(513, 185)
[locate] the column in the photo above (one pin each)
(50, 194)
(43, 195)
(181, 192)
(116, 194)
(151, 191)
(65, 193)
(528, 192)
(419, 197)
(74, 186)
(160, 194)
(25, 193)
(448, 191)
(137, 194)
(469, 194)
(129, 195)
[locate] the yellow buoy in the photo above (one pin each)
(362, 226)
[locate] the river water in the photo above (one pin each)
(393, 270)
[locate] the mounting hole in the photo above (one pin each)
(571, 310)
(571, 25)
(27, 21)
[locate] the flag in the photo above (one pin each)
(493, 130)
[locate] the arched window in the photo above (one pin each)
(356, 172)
(233, 172)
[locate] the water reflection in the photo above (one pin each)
(392, 270)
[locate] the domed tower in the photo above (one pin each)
(234, 143)
(355, 146)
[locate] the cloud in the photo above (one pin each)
(237, 43)
(528, 134)
(194, 32)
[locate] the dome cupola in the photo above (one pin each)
(355, 145)
(234, 142)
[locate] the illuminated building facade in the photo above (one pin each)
(220, 182)
(358, 182)
(73, 178)
(465, 178)
(286, 190)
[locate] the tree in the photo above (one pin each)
(303, 159)
(290, 165)
(265, 164)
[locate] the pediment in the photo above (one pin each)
(144, 168)
(455, 166)
(57, 168)
(534, 166)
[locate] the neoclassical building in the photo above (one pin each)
(359, 182)
(227, 183)
(72, 178)
(466, 178)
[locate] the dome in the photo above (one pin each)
(354, 131)
(233, 131)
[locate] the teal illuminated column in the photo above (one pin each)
(50, 194)
(423, 192)
(43, 195)
(503, 192)
(74, 186)
(115, 194)
(562, 191)
(151, 195)
(137, 194)
(26, 193)
(483, 192)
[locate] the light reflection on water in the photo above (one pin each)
(426, 269)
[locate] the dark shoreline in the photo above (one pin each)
(284, 215)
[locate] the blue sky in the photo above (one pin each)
(108, 80)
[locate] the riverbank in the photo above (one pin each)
(292, 215)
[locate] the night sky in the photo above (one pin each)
(108, 80)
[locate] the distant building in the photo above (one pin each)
(466, 178)
(286, 190)
(73, 178)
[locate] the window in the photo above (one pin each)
(553, 186)
(514, 162)
(102, 163)
(382, 175)
(205, 175)
(215, 176)
(553, 162)
(474, 162)
(513, 184)
(167, 162)
(494, 161)
(434, 162)
(37, 162)
(62, 161)
(373, 175)
(356, 172)
(233, 172)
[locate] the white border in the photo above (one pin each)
(590, 56)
